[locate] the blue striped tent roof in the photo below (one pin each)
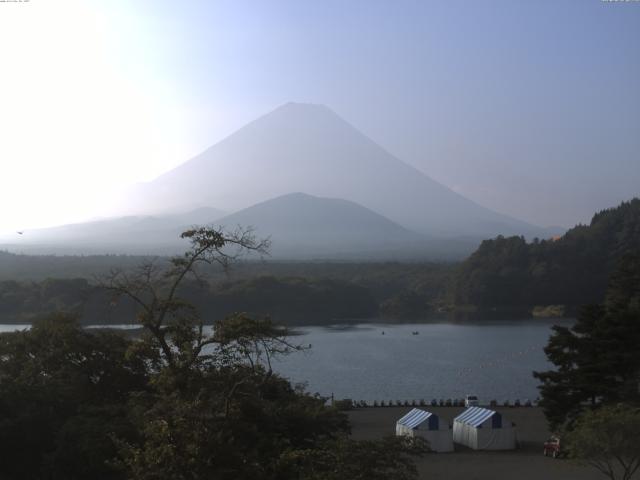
(474, 416)
(414, 418)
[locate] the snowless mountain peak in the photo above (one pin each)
(301, 147)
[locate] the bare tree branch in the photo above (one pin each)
(172, 322)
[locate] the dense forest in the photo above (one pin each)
(507, 274)
(289, 300)
(292, 293)
(571, 270)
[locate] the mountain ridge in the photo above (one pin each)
(309, 148)
(132, 234)
(302, 225)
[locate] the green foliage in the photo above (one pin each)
(597, 360)
(572, 270)
(343, 404)
(21, 267)
(227, 424)
(62, 391)
(608, 439)
(359, 460)
(293, 293)
(291, 299)
(407, 305)
(23, 302)
(624, 286)
(178, 402)
(295, 299)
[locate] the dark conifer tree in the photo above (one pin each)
(598, 359)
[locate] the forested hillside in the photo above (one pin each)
(291, 300)
(571, 270)
(504, 273)
(297, 293)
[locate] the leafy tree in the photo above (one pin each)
(608, 439)
(624, 288)
(597, 360)
(181, 401)
(216, 409)
(406, 305)
(173, 324)
(359, 460)
(293, 298)
(62, 391)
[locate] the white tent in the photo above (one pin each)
(483, 429)
(428, 426)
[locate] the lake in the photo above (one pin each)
(493, 360)
(444, 360)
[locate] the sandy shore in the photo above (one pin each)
(526, 463)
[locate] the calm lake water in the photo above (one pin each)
(444, 360)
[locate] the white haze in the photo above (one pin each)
(308, 148)
(353, 199)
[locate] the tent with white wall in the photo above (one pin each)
(483, 429)
(418, 423)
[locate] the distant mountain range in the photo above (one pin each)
(300, 226)
(298, 220)
(356, 200)
(308, 148)
(304, 226)
(131, 235)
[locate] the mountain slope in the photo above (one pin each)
(301, 225)
(308, 148)
(131, 235)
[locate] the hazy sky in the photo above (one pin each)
(531, 108)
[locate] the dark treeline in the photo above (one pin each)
(504, 273)
(571, 270)
(40, 267)
(290, 293)
(380, 277)
(290, 300)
